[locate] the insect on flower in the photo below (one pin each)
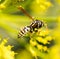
(34, 26)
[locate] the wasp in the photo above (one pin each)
(34, 26)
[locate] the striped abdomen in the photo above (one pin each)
(23, 31)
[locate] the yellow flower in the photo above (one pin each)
(39, 6)
(48, 38)
(5, 51)
(40, 39)
(45, 48)
(44, 41)
(33, 42)
(43, 32)
(40, 47)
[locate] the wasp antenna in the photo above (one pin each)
(24, 11)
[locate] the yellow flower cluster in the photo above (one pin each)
(41, 39)
(40, 5)
(5, 51)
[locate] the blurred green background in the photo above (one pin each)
(12, 19)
